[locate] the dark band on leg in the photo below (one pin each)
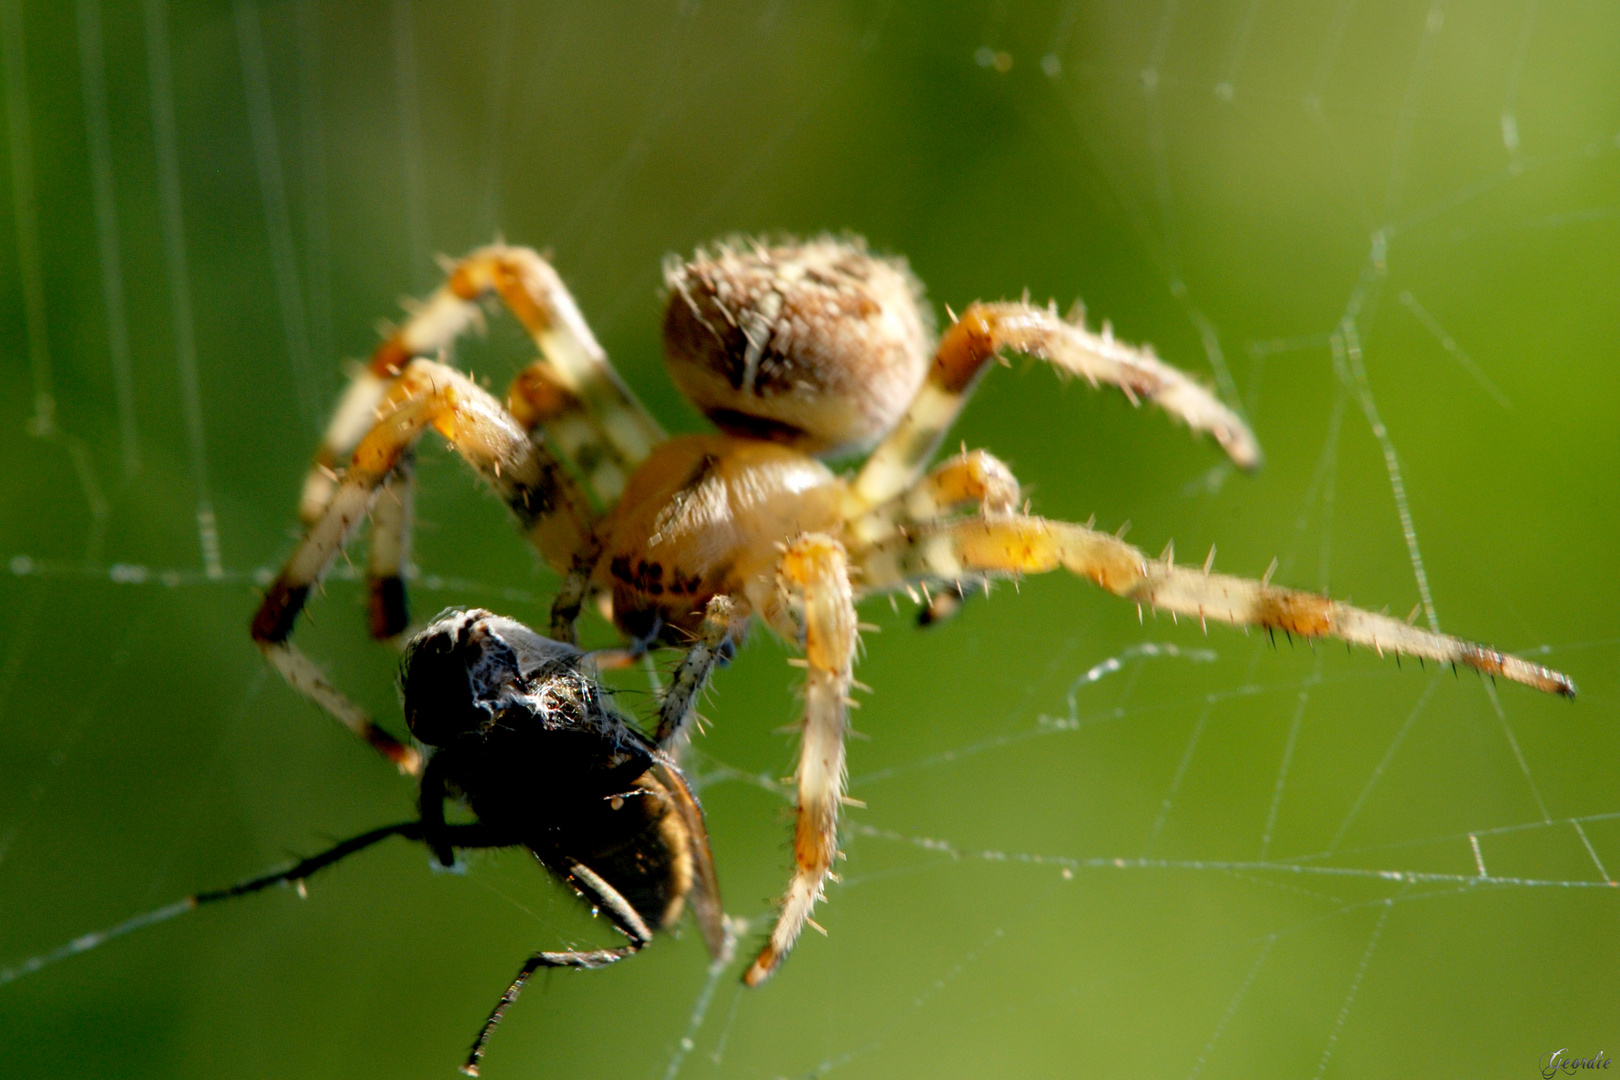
(387, 610)
(274, 620)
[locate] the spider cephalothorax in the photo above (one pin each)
(795, 351)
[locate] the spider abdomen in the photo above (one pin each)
(704, 516)
(818, 345)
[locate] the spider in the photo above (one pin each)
(798, 352)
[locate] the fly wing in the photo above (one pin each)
(705, 895)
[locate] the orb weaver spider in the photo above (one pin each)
(796, 352)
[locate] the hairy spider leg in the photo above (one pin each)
(573, 394)
(721, 622)
(548, 505)
(970, 480)
(1015, 544)
(601, 895)
(981, 332)
(356, 412)
(615, 432)
(542, 402)
(392, 514)
(813, 578)
(546, 410)
(539, 401)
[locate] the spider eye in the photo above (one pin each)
(451, 675)
(818, 345)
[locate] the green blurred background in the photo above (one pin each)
(1229, 181)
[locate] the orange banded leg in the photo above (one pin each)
(982, 332)
(538, 400)
(432, 328)
(427, 394)
(537, 298)
(973, 479)
(1015, 544)
(814, 573)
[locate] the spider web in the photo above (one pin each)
(1386, 231)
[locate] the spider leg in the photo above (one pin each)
(813, 576)
(984, 330)
(390, 551)
(550, 508)
(574, 591)
(973, 479)
(542, 398)
(613, 427)
(539, 401)
(536, 296)
(603, 896)
(720, 623)
(1016, 544)
(353, 417)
